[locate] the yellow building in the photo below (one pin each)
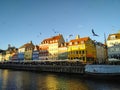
(10, 52)
(82, 49)
(53, 44)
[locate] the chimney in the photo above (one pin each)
(9, 45)
(30, 42)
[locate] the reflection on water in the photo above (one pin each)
(25, 80)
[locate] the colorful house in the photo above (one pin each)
(35, 55)
(43, 50)
(27, 49)
(10, 52)
(113, 39)
(20, 55)
(100, 52)
(62, 52)
(82, 49)
(2, 55)
(113, 44)
(14, 56)
(49, 47)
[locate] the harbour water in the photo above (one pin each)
(27, 80)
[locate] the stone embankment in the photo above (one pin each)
(46, 66)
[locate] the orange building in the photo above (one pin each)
(43, 51)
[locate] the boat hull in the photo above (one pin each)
(103, 70)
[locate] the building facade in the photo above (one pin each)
(35, 55)
(113, 39)
(100, 52)
(49, 47)
(62, 51)
(113, 43)
(27, 49)
(10, 52)
(82, 49)
(114, 53)
(43, 50)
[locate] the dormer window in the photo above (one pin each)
(50, 41)
(70, 43)
(76, 43)
(82, 42)
(112, 37)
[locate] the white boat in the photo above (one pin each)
(108, 70)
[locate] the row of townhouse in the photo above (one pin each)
(113, 43)
(55, 48)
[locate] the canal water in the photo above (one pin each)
(27, 80)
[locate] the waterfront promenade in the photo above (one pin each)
(46, 66)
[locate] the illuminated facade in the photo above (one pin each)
(82, 49)
(52, 45)
(43, 51)
(35, 54)
(113, 43)
(62, 51)
(113, 39)
(27, 49)
(10, 52)
(2, 55)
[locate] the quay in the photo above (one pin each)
(62, 66)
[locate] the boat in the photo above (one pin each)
(102, 70)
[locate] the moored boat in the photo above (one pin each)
(102, 70)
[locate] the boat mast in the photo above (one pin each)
(106, 49)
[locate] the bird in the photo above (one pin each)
(70, 35)
(94, 34)
(39, 34)
(54, 31)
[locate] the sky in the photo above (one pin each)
(22, 21)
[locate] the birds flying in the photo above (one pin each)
(94, 34)
(54, 31)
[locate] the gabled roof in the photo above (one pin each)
(117, 36)
(27, 45)
(80, 39)
(52, 38)
(36, 47)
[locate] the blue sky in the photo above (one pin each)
(23, 20)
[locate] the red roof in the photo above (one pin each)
(80, 39)
(27, 45)
(52, 38)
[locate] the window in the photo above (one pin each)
(83, 52)
(76, 43)
(70, 43)
(112, 37)
(117, 49)
(76, 52)
(79, 52)
(82, 42)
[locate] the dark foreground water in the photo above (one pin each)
(26, 80)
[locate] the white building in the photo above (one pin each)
(100, 52)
